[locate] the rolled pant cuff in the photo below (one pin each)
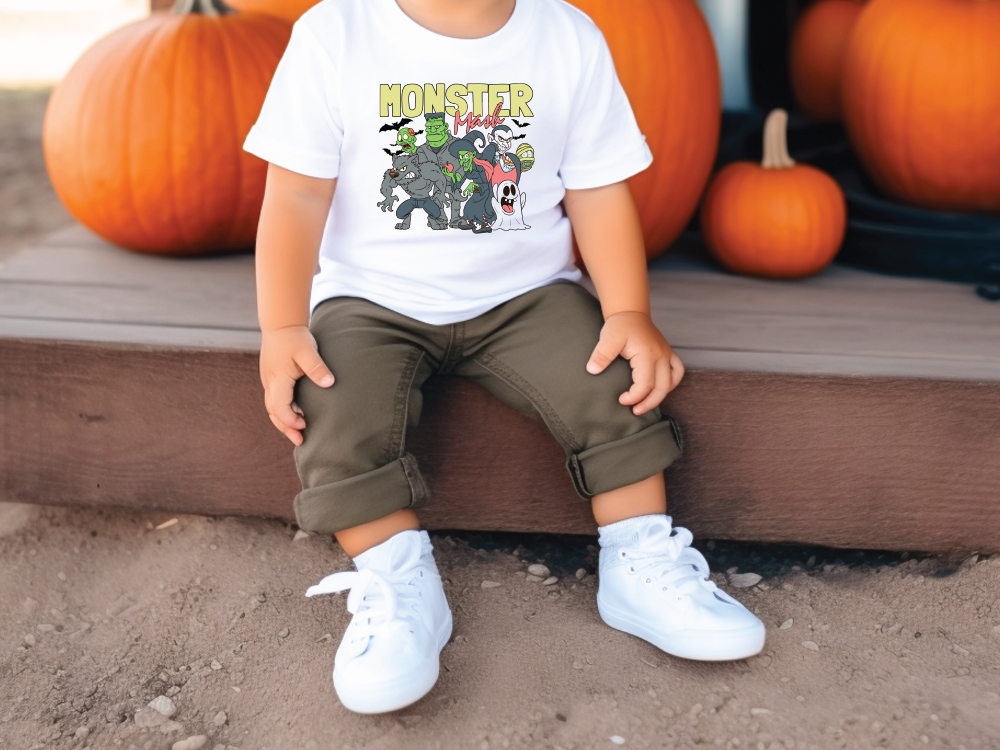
(623, 462)
(333, 507)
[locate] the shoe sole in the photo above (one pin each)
(403, 691)
(719, 645)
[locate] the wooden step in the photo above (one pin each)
(851, 409)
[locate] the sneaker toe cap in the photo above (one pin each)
(388, 659)
(717, 611)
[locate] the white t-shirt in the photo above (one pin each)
(427, 134)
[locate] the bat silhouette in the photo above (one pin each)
(395, 125)
(521, 124)
(393, 153)
(519, 136)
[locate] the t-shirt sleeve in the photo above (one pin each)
(299, 126)
(604, 144)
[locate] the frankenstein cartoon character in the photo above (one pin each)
(526, 153)
(434, 152)
(436, 129)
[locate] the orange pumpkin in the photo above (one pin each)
(816, 56)
(665, 59)
(143, 137)
(287, 10)
(777, 219)
(922, 100)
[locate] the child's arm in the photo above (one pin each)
(291, 225)
(606, 225)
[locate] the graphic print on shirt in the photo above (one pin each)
(465, 173)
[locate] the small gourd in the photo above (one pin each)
(776, 219)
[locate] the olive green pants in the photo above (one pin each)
(530, 352)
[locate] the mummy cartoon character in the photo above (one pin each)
(509, 201)
(526, 153)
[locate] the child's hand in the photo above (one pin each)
(656, 369)
(286, 354)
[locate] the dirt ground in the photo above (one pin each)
(101, 612)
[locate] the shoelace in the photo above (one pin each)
(665, 555)
(375, 608)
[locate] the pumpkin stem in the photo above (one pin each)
(205, 7)
(776, 141)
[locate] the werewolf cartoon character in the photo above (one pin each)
(422, 182)
(473, 180)
(435, 152)
(526, 153)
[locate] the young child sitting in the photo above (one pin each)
(431, 117)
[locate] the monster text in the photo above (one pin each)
(412, 99)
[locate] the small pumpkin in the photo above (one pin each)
(816, 56)
(287, 10)
(143, 138)
(665, 59)
(776, 219)
(922, 100)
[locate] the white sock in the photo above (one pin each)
(624, 533)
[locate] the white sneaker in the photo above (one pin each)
(390, 654)
(654, 585)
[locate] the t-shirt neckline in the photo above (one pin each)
(423, 42)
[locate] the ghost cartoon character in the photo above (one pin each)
(509, 201)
